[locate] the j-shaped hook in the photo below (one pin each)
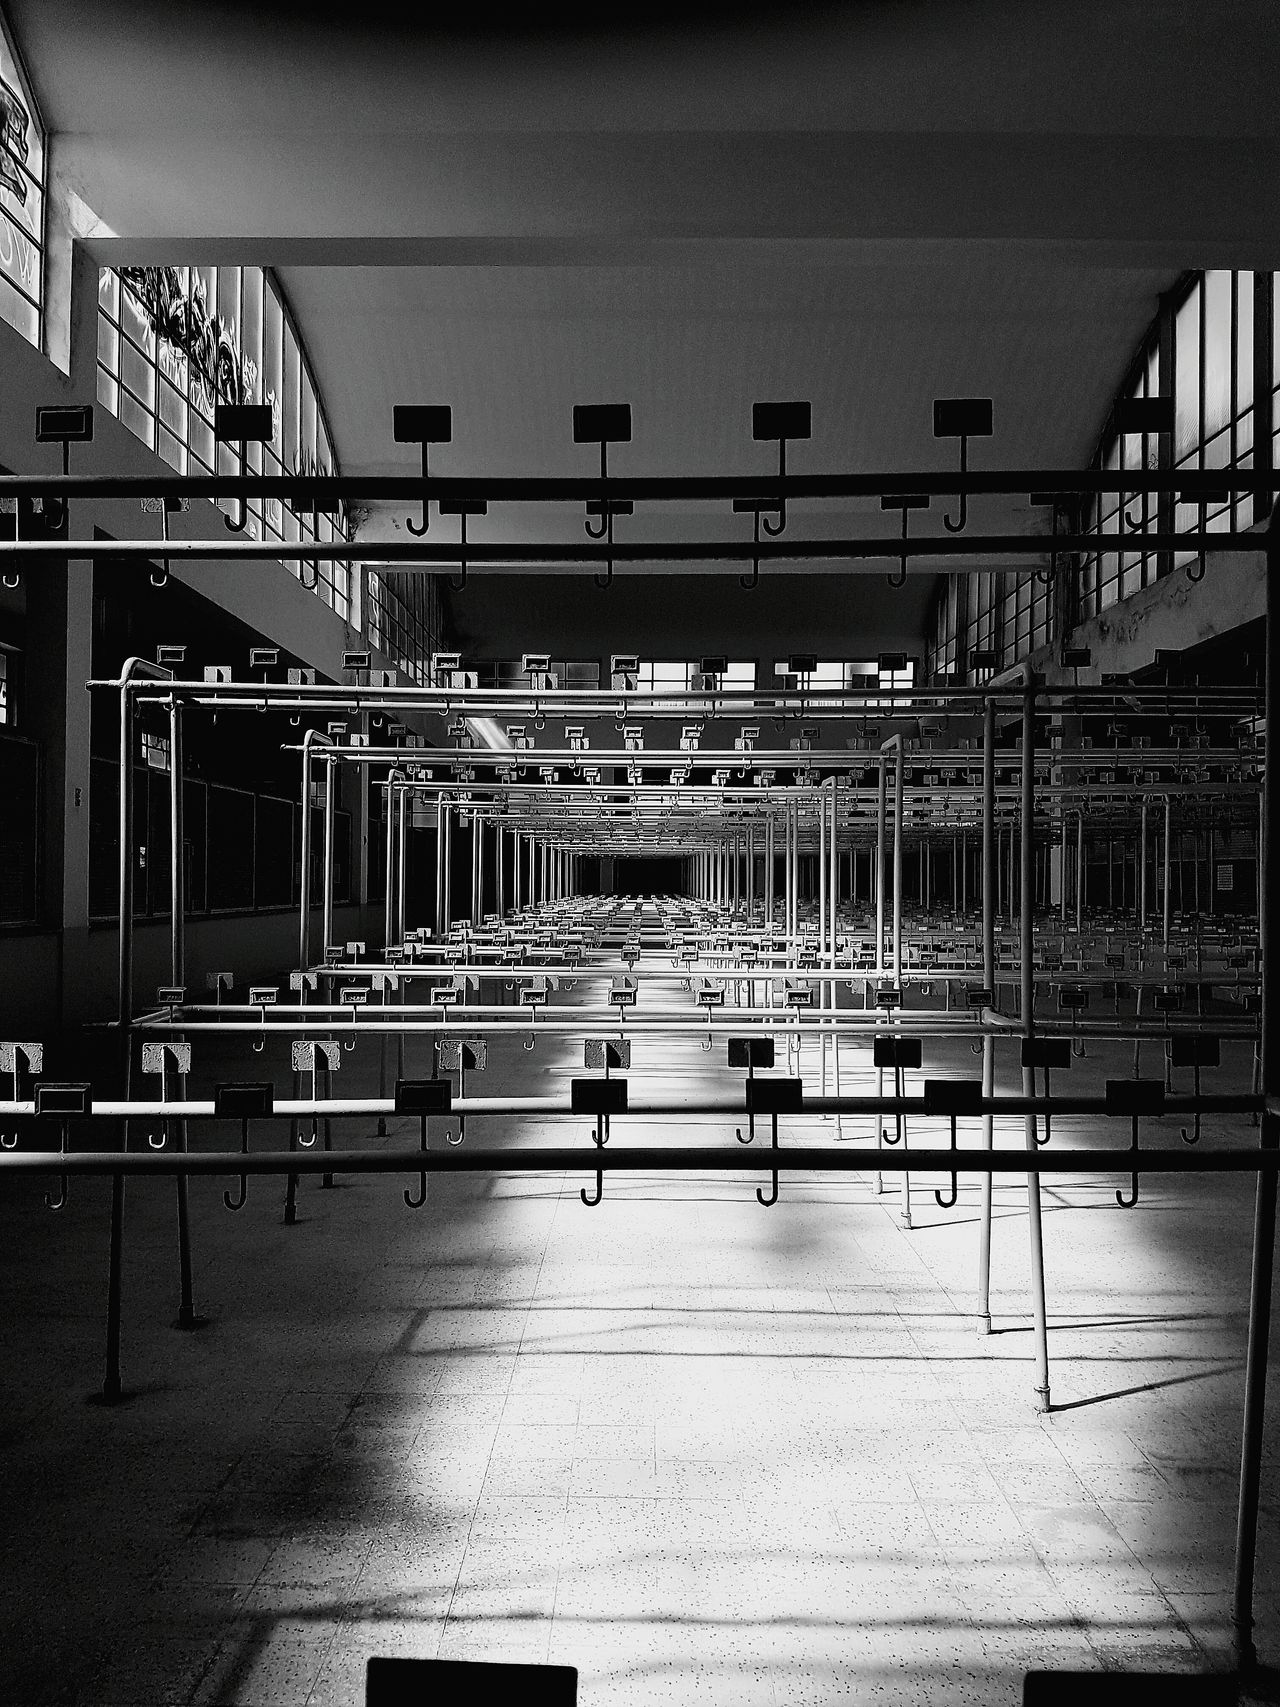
(962, 516)
(768, 1202)
(750, 582)
(240, 520)
(1194, 1136)
(462, 1132)
(1121, 1199)
(598, 1137)
(258, 1046)
(239, 1203)
(905, 502)
(1048, 1118)
(605, 581)
(157, 1143)
(950, 1202)
(418, 1201)
(59, 1202)
(416, 530)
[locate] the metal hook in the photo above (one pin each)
(311, 585)
(294, 721)
(309, 1143)
(1121, 1199)
(1036, 1139)
(238, 523)
(258, 1046)
(244, 1178)
(462, 1132)
(1196, 568)
(773, 532)
(349, 1046)
(161, 579)
(708, 1045)
(151, 1140)
(950, 1202)
(417, 1202)
(11, 581)
(598, 1139)
(8, 1140)
(768, 1202)
(529, 1042)
(418, 532)
(60, 1202)
(906, 503)
(1195, 1138)
(605, 581)
(962, 518)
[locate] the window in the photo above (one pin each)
(563, 673)
(684, 675)
(403, 619)
(21, 198)
(173, 342)
(835, 675)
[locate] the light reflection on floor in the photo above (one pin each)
(704, 1451)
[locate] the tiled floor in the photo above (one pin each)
(704, 1451)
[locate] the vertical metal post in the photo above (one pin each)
(1027, 1016)
(880, 810)
(897, 880)
(447, 829)
(1168, 892)
(330, 766)
(1142, 870)
(178, 976)
(768, 869)
(400, 918)
(989, 982)
(1264, 1219)
(833, 865)
(304, 876)
(124, 1017)
(1079, 872)
(388, 901)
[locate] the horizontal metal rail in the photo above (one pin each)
(643, 1159)
(307, 489)
(435, 556)
(556, 1107)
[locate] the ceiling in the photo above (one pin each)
(864, 205)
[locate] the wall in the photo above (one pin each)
(1171, 615)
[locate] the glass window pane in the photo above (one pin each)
(1218, 351)
(1244, 341)
(1186, 434)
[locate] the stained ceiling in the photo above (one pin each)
(864, 205)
